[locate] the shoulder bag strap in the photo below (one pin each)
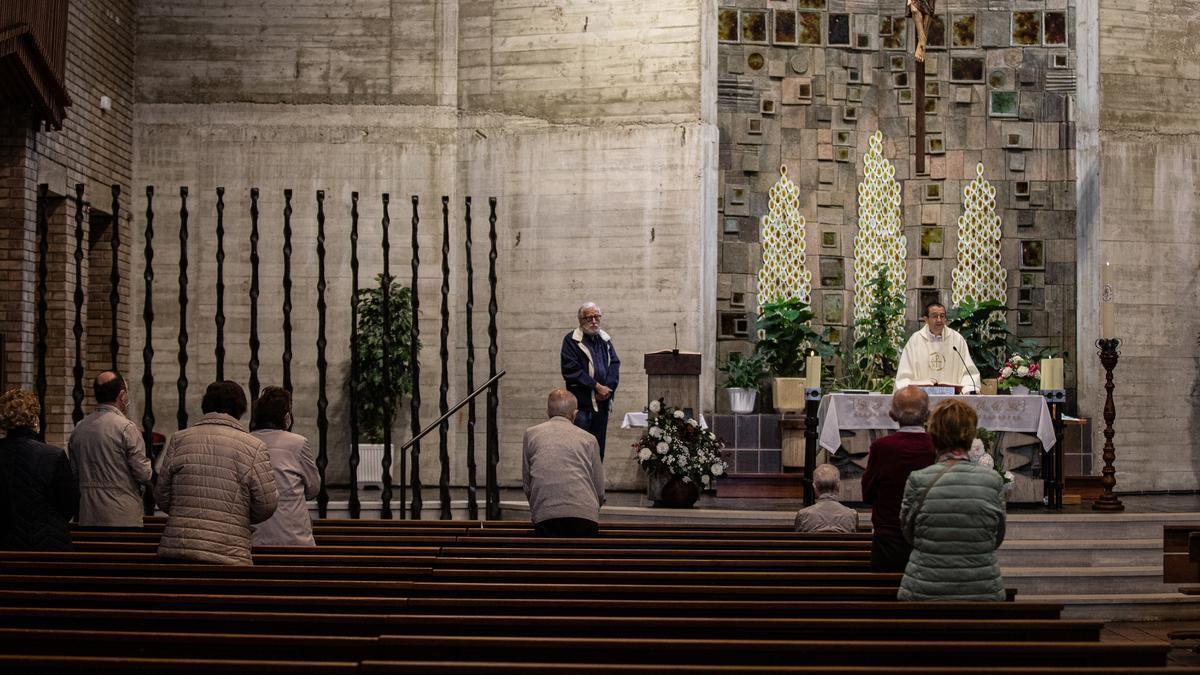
(912, 515)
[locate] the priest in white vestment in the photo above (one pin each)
(930, 356)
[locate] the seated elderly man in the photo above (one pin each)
(827, 514)
(890, 461)
(562, 472)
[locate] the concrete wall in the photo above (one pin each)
(584, 120)
(1142, 217)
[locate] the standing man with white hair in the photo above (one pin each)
(591, 370)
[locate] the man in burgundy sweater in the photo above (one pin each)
(890, 461)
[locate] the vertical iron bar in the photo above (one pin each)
(322, 364)
(444, 353)
(148, 349)
(355, 506)
(389, 405)
(254, 342)
(114, 275)
(219, 352)
(472, 500)
(415, 366)
(43, 244)
(493, 399)
(77, 329)
(287, 290)
(181, 416)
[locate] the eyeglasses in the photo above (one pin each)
(591, 318)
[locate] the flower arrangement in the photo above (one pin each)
(981, 454)
(674, 445)
(1019, 371)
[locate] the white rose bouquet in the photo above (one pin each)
(675, 445)
(1019, 371)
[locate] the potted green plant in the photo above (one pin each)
(742, 375)
(876, 338)
(376, 399)
(983, 326)
(785, 339)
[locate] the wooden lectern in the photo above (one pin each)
(674, 376)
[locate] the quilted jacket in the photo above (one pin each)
(954, 534)
(38, 494)
(215, 480)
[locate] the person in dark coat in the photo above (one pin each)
(891, 459)
(591, 370)
(39, 493)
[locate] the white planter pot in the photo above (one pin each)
(1019, 390)
(741, 401)
(370, 464)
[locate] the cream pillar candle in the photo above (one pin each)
(812, 370)
(1107, 310)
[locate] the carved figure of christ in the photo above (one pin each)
(922, 13)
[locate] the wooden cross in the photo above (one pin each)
(921, 12)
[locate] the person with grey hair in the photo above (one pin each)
(591, 370)
(562, 472)
(890, 461)
(827, 514)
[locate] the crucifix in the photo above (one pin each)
(921, 12)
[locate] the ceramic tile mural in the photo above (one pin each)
(806, 83)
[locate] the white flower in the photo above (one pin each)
(662, 448)
(718, 469)
(687, 479)
(693, 423)
(679, 414)
(705, 479)
(655, 407)
(682, 461)
(711, 435)
(644, 454)
(655, 432)
(1007, 372)
(1022, 371)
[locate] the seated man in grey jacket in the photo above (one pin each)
(215, 481)
(562, 472)
(827, 514)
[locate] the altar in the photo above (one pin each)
(840, 415)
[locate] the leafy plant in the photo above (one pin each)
(786, 337)
(876, 336)
(376, 402)
(985, 330)
(743, 372)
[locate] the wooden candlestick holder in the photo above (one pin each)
(1110, 353)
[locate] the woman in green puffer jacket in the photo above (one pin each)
(953, 515)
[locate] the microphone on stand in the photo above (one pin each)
(675, 327)
(967, 368)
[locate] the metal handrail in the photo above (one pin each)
(455, 408)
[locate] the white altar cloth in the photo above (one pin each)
(1027, 414)
(638, 419)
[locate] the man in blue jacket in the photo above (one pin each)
(591, 370)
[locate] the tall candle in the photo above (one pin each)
(1059, 380)
(1107, 309)
(813, 370)
(1045, 376)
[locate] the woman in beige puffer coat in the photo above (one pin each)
(214, 482)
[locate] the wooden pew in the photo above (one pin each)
(344, 623)
(169, 597)
(119, 665)
(951, 653)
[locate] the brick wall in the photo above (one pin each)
(93, 148)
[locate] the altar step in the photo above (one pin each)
(762, 485)
(1099, 565)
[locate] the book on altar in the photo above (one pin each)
(937, 388)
